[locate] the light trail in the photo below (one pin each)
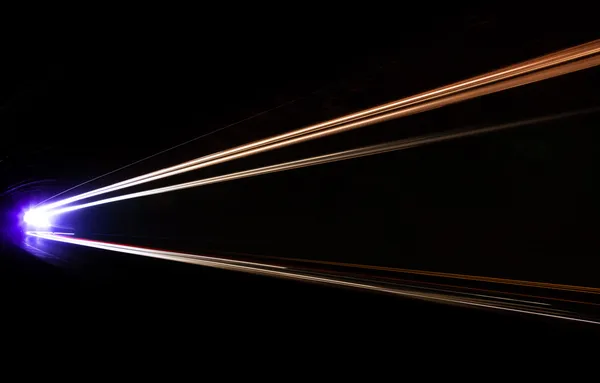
(549, 66)
(328, 158)
(529, 296)
(199, 259)
(478, 278)
(286, 273)
(172, 148)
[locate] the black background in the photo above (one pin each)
(518, 204)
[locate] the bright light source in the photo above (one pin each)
(37, 218)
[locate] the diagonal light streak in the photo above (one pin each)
(142, 250)
(286, 273)
(549, 66)
(328, 158)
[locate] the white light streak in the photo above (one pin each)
(328, 158)
(193, 258)
(552, 65)
(271, 270)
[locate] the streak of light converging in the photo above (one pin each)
(282, 272)
(328, 158)
(171, 148)
(139, 250)
(552, 65)
(479, 278)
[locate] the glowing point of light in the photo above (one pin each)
(37, 218)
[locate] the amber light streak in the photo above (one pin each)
(328, 158)
(553, 65)
(505, 281)
(286, 273)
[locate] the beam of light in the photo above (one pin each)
(300, 275)
(409, 282)
(328, 158)
(169, 149)
(37, 218)
(549, 66)
(139, 250)
(478, 278)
